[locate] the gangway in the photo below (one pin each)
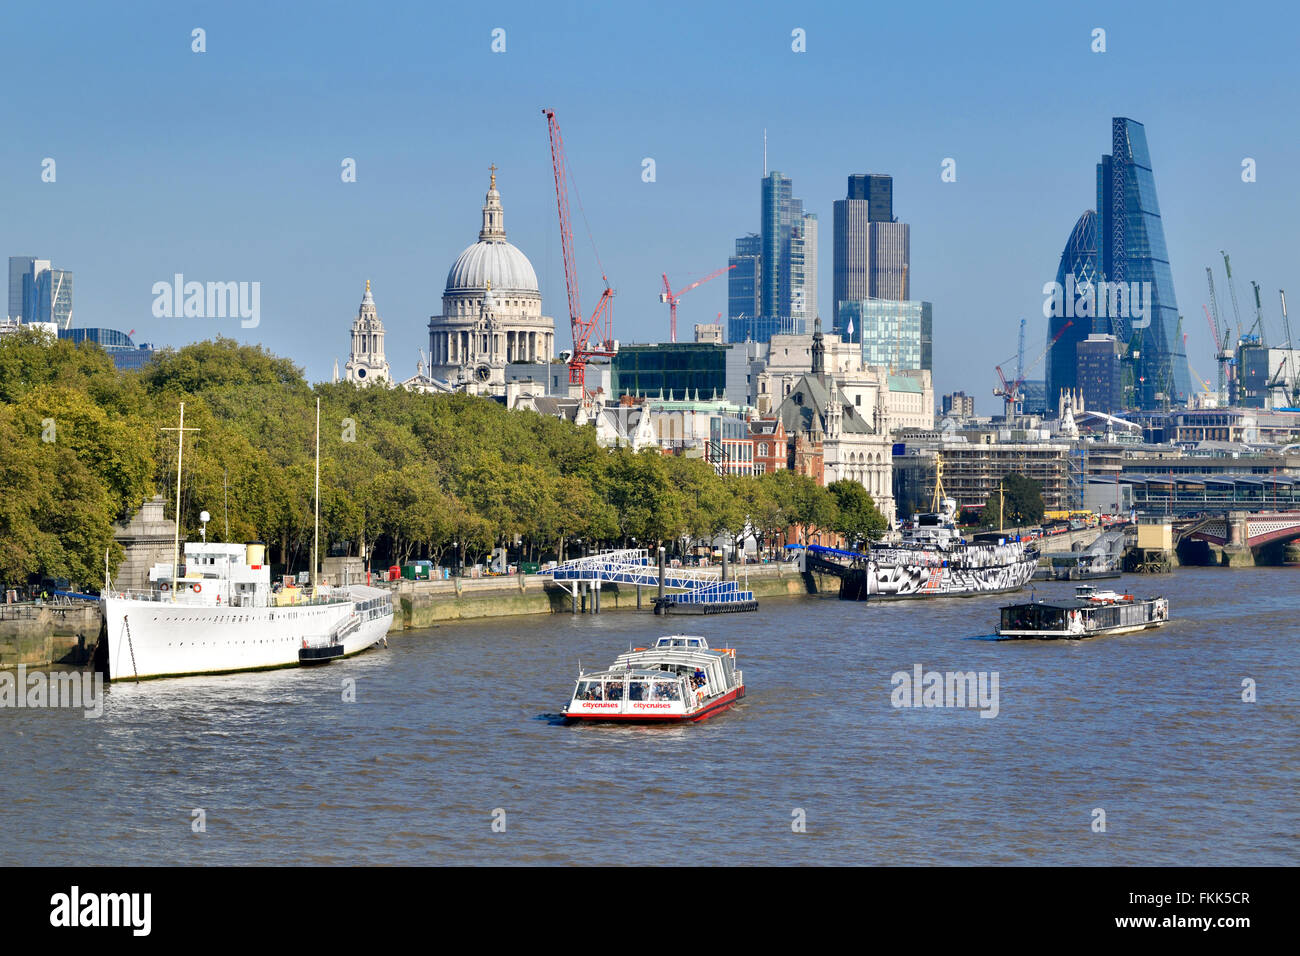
(632, 566)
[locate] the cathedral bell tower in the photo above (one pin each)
(366, 363)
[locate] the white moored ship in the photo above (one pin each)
(216, 612)
(220, 614)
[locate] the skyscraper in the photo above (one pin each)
(878, 191)
(872, 248)
(1078, 270)
(1131, 246)
(19, 266)
(785, 275)
(744, 292)
(39, 293)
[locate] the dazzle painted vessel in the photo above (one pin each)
(932, 560)
(681, 679)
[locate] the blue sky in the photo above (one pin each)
(225, 165)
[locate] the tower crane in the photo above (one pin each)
(600, 326)
(1009, 392)
(1259, 317)
(1232, 291)
(671, 297)
(1224, 351)
(1288, 358)
(1020, 353)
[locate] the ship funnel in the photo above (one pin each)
(256, 554)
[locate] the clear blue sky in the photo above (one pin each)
(225, 165)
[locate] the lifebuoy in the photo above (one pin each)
(166, 586)
(198, 588)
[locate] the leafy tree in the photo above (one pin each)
(858, 518)
(1022, 503)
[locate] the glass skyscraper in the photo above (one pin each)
(744, 295)
(893, 334)
(1078, 260)
(38, 292)
(1131, 247)
(785, 275)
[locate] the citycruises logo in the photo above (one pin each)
(1104, 299)
(55, 689)
(212, 300)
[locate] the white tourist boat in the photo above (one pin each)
(1090, 614)
(680, 679)
(216, 612)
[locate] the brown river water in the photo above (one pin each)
(452, 752)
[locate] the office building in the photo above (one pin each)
(781, 265)
(958, 405)
(1078, 269)
(871, 248)
(125, 353)
(744, 291)
(892, 334)
(38, 292)
(1100, 373)
(675, 371)
(1131, 246)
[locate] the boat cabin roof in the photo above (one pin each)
(619, 674)
(682, 640)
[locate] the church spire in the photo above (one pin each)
(818, 350)
(494, 217)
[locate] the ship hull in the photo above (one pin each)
(1080, 635)
(923, 581)
(711, 709)
(149, 639)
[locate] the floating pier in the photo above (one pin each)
(696, 591)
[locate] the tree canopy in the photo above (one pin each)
(403, 474)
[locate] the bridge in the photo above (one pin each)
(1240, 529)
(632, 566)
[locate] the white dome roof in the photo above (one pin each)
(498, 262)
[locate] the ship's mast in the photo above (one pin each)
(180, 454)
(938, 484)
(315, 543)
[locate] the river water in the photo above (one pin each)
(453, 729)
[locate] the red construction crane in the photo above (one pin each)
(1009, 392)
(671, 297)
(601, 324)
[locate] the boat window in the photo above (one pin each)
(666, 690)
(638, 690)
(591, 690)
(614, 690)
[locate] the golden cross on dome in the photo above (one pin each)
(493, 169)
(367, 285)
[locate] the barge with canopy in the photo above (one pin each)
(681, 679)
(1089, 614)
